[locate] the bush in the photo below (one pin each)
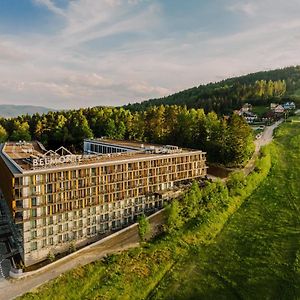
(51, 256)
(174, 218)
(236, 182)
(72, 247)
(143, 226)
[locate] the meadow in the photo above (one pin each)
(257, 255)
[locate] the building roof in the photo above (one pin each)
(20, 157)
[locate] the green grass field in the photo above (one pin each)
(257, 255)
(260, 110)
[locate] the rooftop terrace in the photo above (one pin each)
(23, 156)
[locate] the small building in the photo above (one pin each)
(289, 106)
(246, 108)
(279, 109)
(249, 116)
(273, 106)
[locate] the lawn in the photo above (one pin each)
(260, 110)
(257, 255)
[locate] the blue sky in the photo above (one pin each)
(79, 53)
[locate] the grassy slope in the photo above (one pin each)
(257, 256)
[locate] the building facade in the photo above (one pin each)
(59, 200)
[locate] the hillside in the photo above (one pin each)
(224, 96)
(258, 250)
(11, 111)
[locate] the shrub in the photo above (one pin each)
(51, 256)
(236, 182)
(143, 226)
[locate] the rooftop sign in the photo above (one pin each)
(60, 156)
(50, 161)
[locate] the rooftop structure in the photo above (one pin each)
(57, 198)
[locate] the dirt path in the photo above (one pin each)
(128, 239)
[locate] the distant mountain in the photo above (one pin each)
(10, 111)
(259, 88)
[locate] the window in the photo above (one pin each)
(18, 193)
(66, 237)
(44, 232)
(44, 243)
(50, 198)
(51, 241)
(50, 231)
(51, 220)
(34, 212)
(33, 223)
(94, 230)
(19, 204)
(33, 234)
(49, 188)
(33, 246)
(33, 199)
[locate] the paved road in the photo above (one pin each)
(9, 289)
(267, 135)
(266, 138)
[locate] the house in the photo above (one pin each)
(273, 106)
(289, 106)
(246, 107)
(279, 109)
(249, 116)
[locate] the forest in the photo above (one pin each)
(227, 140)
(200, 118)
(259, 88)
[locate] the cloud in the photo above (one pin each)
(10, 53)
(51, 6)
(248, 8)
(110, 52)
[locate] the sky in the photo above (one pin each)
(81, 53)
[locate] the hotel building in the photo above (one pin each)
(59, 200)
